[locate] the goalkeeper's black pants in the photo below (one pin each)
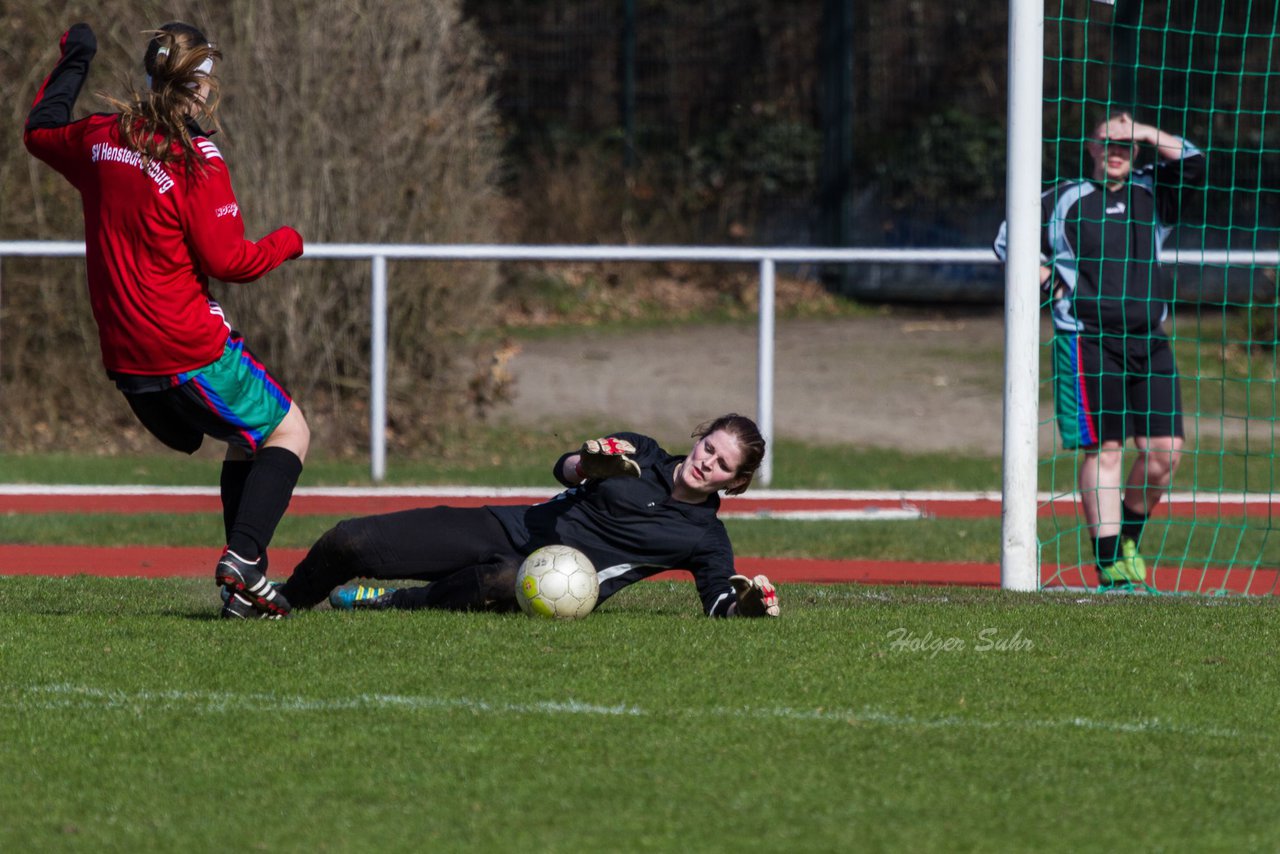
(464, 552)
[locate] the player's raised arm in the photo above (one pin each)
(49, 133)
(609, 456)
(58, 94)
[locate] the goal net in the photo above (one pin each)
(1203, 196)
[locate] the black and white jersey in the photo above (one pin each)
(1103, 245)
(632, 528)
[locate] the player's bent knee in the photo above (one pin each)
(292, 433)
(342, 545)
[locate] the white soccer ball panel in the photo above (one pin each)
(558, 582)
(584, 586)
(553, 584)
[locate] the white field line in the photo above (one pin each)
(904, 511)
(905, 496)
(319, 491)
(868, 514)
(140, 703)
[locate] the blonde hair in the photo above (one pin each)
(176, 62)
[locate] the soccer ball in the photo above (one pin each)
(557, 582)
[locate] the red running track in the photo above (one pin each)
(357, 502)
(196, 562)
(160, 561)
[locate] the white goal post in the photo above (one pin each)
(1024, 182)
(1019, 558)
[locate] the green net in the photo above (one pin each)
(1209, 74)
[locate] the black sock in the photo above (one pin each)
(1104, 550)
(1132, 524)
(234, 474)
(266, 495)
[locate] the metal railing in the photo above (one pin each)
(765, 258)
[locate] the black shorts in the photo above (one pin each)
(1110, 387)
(234, 399)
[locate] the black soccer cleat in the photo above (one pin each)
(237, 606)
(241, 576)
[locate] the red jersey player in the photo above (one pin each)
(160, 219)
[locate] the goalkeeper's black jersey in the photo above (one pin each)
(632, 528)
(1103, 246)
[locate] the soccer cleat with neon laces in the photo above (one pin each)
(352, 596)
(241, 576)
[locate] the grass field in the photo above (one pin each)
(867, 718)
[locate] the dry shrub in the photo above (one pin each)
(353, 121)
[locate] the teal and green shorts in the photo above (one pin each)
(1110, 387)
(234, 400)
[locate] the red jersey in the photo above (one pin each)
(153, 235)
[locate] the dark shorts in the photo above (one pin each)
(233, 399)
(1108, 388)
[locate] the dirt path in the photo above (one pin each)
(910, 380)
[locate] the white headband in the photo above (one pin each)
(204, 69)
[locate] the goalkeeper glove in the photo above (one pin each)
(757, 596)
(608, 457)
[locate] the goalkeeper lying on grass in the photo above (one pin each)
(631, 507)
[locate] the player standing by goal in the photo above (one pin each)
(632, 508)
(160, 220)
(1114, 370)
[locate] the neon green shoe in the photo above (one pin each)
(1129, 568)
(1137, 566)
